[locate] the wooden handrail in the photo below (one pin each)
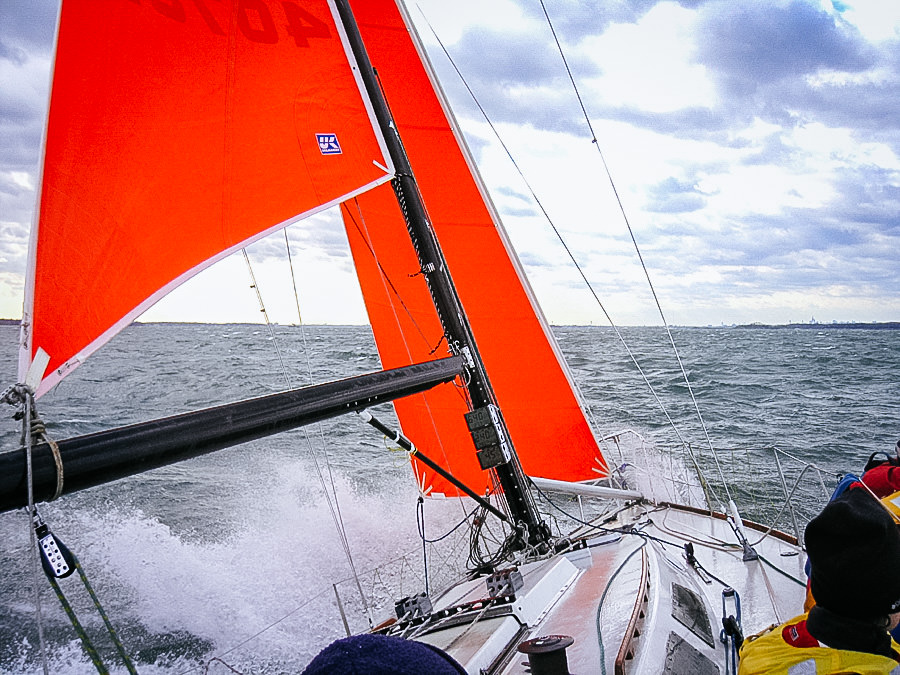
(626, 649)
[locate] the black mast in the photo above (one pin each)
(492, 439)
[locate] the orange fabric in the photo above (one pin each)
(177, 131)
(545, 421)
(809, 601)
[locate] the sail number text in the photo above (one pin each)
(254, 18)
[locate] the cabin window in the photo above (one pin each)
(688, 609)
(683, 658)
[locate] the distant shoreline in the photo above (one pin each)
(878, 325)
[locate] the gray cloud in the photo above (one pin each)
(675, 196)
(26, 39)
(750, 45)
(323, 233)
(516, 77)
(583, 18)
(795, 250)
(787, 64)
(27, 26)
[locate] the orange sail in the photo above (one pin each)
(545, 420)
(179, 132)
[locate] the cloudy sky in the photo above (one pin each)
(754, 147)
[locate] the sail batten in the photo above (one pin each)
(175, 139)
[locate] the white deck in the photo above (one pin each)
(591, 595)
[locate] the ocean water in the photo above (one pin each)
(230, 562)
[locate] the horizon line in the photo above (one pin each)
(755, 324)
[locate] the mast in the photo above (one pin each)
(491, 437)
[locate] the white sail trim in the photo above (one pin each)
(53, 378)
(36, 372)
(28, 301)
(354, 66)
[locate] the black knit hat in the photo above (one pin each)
(372, 654)
(854, 555)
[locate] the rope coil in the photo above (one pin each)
(39, 431)
(21, 397)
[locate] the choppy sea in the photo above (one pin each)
(231, 562)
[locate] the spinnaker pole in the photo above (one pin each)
(85, 461)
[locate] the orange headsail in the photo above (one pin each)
(177, 133)
(535, 393)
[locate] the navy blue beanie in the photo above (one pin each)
(382, 655)
(854, 553)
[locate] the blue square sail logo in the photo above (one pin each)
(328, 144)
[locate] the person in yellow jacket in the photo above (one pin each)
(854, 551)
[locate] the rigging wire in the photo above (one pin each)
(265, 313)
(454, 528)
(637, 249)
(706, 487)
(336, 513)
(268, 627)
(330, 497)
(287, 248)
(663, 527)
(359, 222)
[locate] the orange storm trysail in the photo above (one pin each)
(177, 133)
(543, 414)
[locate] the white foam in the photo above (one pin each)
(280, 561)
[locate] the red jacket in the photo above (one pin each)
(883, 479)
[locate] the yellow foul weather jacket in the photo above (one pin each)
(789, 649)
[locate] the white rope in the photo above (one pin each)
(39, 430)
(57, 460)
(35, 556)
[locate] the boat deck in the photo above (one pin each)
(632, 602)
